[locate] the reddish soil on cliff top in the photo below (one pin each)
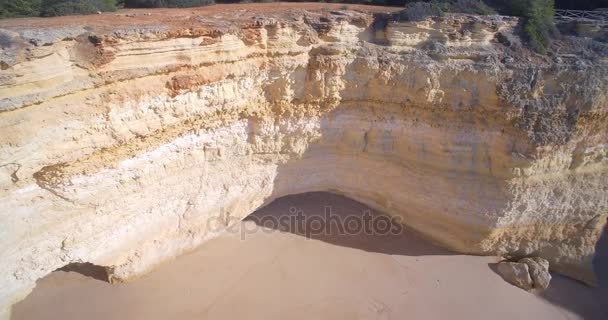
(177, 17)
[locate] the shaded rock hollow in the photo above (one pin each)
(122, 140)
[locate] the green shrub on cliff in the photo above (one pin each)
(539, 26)
(167, 3)
(417, 11)
(420, 10)
(51, 8)
(469, 6)
(19, 8)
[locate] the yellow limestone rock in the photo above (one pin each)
(122, 140)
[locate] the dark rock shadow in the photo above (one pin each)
(600, 260)
(588, 302)
(341, 221)
(87, 269)
(494, 268)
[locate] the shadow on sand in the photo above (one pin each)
(344, 228)
(87, 269)
(577, 296)
(600, 261)
(313, 207)
(562, 289)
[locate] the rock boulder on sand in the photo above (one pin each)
(531, 274)
(539, 272)
(516, 273)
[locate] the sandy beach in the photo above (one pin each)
(268, 274)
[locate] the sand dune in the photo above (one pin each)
(269, 274)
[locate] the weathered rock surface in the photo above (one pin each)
(531, 274)
(539, 272)
(516, 273)
(123, 139)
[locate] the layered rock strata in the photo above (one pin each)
(122, 139)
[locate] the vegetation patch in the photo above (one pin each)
(167, 3)
(420, 10)
(539, 26)
(19, 8)
(52, 8)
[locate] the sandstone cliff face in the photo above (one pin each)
(119, 144)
